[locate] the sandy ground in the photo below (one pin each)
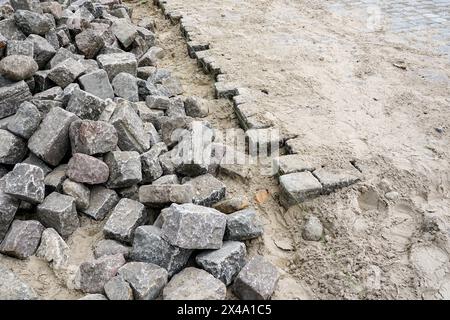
(336, 88)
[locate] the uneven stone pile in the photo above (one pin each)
(89, 125)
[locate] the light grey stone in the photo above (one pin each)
(85, 105)
(125, 86)
(194, 284)
(313, 229)
(168, 179)
(66, 72)
(146, 279)
(22, 239)
(124, 219)
(153, 134)
(97, 83)
(94, 296)
(118, 289)
(62, 54)
(150, 247)
(101, 202)
(297, 187)
(151, 168)
(110, 247)
(30, 5)
(35, 161)
(291, 163)
(59, 212)
(257, 280)
(51, 141)
(14, 288)
(124, 31)
(158, 102)
(53, 249)
(224, 263)
(32, 22)
(19, 47)
(55, 179)
(333, 179)
(207, 190)
(89, 42)
(8, 209)
(151, 57)
(243, 225)
(124, 168)
(12, 148)
(92, 137)
(92, 275)
(12, 95)
(162, 195)
(191, 226)
(116, 63)
(26, 120)
(83, 168)
(26, 182)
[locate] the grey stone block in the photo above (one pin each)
(125, 218)
(110, 247)
(190, 226)
(14, 288)
(116, 63)
(257, 280)
(151, 57)
(32, 22)
(87, 169)
(54, 180)
(101, 202)
(92, 137)
(12, 96)
(224, 263)
(168, 179)
(207, 190)
(196, 107)
(291, 163)
(118, 289)
(12, 148)
(151, 168)
(26, 120)
(149, 246)
(53, 249)
(243, 225)
(124, 31)
(32, 159)
(10, 30)
(19, 47)
(333, 179)
(97, 83)
(8, 209)
(147, 280)
(66, 72)
(125, 86)
(162, 195)
(59, 212)
(43, 51)
(51, 141)
(194, 284)
(26, 182)
(22, 239)
(124, 169)
(89, 42)
(85, 105)
(297, 187)
(79, 192)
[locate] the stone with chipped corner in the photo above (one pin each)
(26, 120)
(224, 263)
(124, 168)
(162, 195)
(124, 219)
(22, 239)
(54, 179)
(43, 51)
(97, 83)
(79, 192)
(118, 289)
(194, 284)
(53, 249)
(298, 187)
(32, 22)
(108, 247)
(257, 280)
(243, 225)
(101, 202)
(12, 148)
(207, 190)
(149, 246)
(87, 169)
(26, 182)
(92, 137)
(125, 86)
(89, 42)
(59, 212)
(124, 31)
(85, 105)
(66, 72)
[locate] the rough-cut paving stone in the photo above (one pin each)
(224, 263)
(158, 102)
(12, 96)
(32, 23)
(19, 47)
(87, 169)
(101, 202)
(32, 159)
(124, 31)
(130, 129)
(151, 57)
(297, 187)
(43, 51)
(54, 180)
(62, 55)
(93, 275)
(149, 246)
(313, 229)
(116, 63)
(207, 190)
(243, 225)
(190, 226)
(145, 72)
(89, 42)
(146, 279)
(26, 121)
(18, 68)
(162, 195)
(151, 168)
(58, 211)
(8, 209)
(79, 192)
(124, 168)
(13, 288)
(97, 83)
(26, 182)
(196, 107)
(92, 137)
(53, 249)
(125, 86)
(154, 136)
(42, 81)
(291, 163)
(333, 179)
(22, 239)
(194, 284)
(257, 280)
(51, 141)
(95, 296)
(118, 289)
(85, 105)
(110, 247)
(232, 205)
(12, 148)
(125, 218)
(30, 5)
(66, 72)
(168, 179)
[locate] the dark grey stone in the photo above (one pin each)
(26, 182)
(101, 202)
(89, 42)
(43, 51)
(33, 23)
(207, 190)
(22, 239)
(243, 225)
(26, 120)
(12, 96)
(97, 83)
(162, 195)
(12, 148)
(124, 168)
(85, 105)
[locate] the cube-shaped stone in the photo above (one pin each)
(108, 247)
(22, 239)
(124, 168)
(26, 120)
(190, 226)
(55, 179)
(66, 72)
(118, 289)
(59, 212)
(243, 225)
(101, 202)
(51, 141)
(92, 137)
(257, 280)
(79, 192)
(224, 263)
(291, 163)
(19, 47)
(89, 42)
(85, 105)
(26, 182)
(12, 95)
(12, 148)
(125, 86)
(162, 195)
(124, 219)
(116, 63)
(43, 51)
(124, 31)
(151, 168)
(333, 179)
(32, 22)
(97, 83)
(297, 187)
(87, 169)
(207, 190)
(149, 246)
(53, 249)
